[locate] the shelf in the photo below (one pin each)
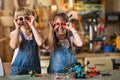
(3, 39)
(88, 7)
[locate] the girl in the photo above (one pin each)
(61, 43)
(25, 39)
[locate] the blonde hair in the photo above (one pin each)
(23, 12)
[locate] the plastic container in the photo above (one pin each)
(107, 49)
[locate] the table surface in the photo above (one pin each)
(83, 55)
(114, 75)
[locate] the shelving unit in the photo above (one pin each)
(93, 17)
(6, 22)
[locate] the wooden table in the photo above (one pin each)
(114, 75)
(83, 55)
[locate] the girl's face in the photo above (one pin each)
(22, 20)
(60, 27)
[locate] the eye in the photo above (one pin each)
(63, 24)
(68, 24)
(20, 18)
(57, 24)
(27, 18)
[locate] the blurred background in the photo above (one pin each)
(97, 22)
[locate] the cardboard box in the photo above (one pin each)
(101, 63)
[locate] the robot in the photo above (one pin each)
(78, 69)
(92, 72)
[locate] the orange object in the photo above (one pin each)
(117, 42)
(93, 72)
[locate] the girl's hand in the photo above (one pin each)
(30, 21)
(17, 23)
(51, 25)
(69, 26)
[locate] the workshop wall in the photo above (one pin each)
(111, 6)
(6, 25)
(6, 22)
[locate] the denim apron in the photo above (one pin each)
(60, 59)
(27, 58)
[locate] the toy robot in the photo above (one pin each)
(92, 72)
(78, 69)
